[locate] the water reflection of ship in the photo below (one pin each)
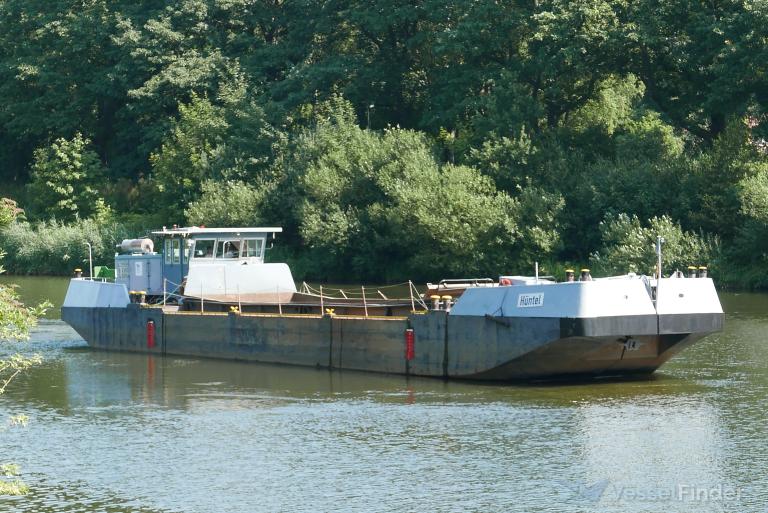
(106, 380)
(187, 383)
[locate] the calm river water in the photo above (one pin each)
(130, 433)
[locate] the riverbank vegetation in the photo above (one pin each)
(16, 320)
(392, 139)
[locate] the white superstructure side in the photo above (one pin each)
(228, 263)
(96, 294)
(236, 278)
(687, 296)
(599, 298)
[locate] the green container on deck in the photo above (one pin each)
(102, 271)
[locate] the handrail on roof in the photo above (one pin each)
(193, 230)
(451, 281)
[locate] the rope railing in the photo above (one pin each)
(364, 295)
(173, 293)
(349, 293)
(362, 298)
(415, 295)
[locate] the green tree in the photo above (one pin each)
(628, 246)
(9, 210)
(585, 108)
(370, 52)
(192, 153)
(747, 257)
(65, 178)
(230, 141)
(714, 176)
(15, 322)
(228, 203)
(60, 75)
(699, 61)
(176, 52)
(381, 206)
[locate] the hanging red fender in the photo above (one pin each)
(150, 334)
(410, 344)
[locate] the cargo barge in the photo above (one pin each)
(209, 293)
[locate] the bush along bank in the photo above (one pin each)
(54, 248)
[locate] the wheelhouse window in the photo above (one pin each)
(228, 249)
(253, 248)
(168, 252)
(176, 251)
(204, 248)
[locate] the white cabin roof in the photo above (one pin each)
(196, 230)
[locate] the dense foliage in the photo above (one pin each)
(64, 179)
(396, 138)
(15, 322)
(51, 247)
(15, 318)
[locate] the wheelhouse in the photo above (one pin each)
(228, 247)
(191, 246)
(211, 262)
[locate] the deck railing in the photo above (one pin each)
(364, 295)
(350, 298)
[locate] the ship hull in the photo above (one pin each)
(492, 348)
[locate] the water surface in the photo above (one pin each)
(39, 289)
(122, 432)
